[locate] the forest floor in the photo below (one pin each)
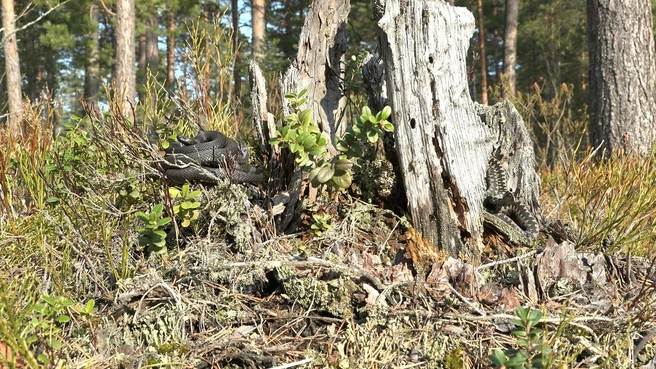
(355, 287)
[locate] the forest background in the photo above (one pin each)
(66, 51)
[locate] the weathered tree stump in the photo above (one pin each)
(317, 69)
(444, 147)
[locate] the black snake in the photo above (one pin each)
(502, 205)
(209, 157)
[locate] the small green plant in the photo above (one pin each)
(48, 317)
(301, 135)
(366, 128)
(321, 224)
(186, 206)
(532, 352)
(151, 234)
(304, 139)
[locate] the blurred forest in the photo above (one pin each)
(66, 51)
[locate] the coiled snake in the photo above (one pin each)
(209, 157)
(508, 215)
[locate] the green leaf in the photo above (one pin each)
(143, 241)
(157, 249)
(160, 234)
(303, 159)
(387, 126)
(498, 358)
(372, 136)
(366, 111)
(48, 299)
(303, 136)
(305, 117)
(56, 344)
(522, 313)
(309, 142)
(343, 181)
(63, 319)
(317, 151)
(313, 176)
(294, 147)
(312, 129)
(163, 221)
(325, 174)
(291, 119)
(343, 165)
(88, 307)
(186, 223)
(385, 113)
(43, 359)
(535, 316)
(322, 141)
(174, 192)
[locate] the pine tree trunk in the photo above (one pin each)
(622, 75)
(125, 55)
(92, 68)
(259, 24)
(12, 68)
(236, 48)
(170, 52)
(510, 48)
(152, 47)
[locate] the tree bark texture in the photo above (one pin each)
(622, 75)
(317, 67)
(259, 25)
(170, 51)
(125, 54)
(12, 68)
(443, 147)
(236, 74)
(152, 44)
(265, 125)
(92, 68)
(510, 48)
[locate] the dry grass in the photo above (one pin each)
(609, 203)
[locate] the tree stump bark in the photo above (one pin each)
(443, 146)
(317, 67)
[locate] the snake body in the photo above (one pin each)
(209, 157)
(506, 212)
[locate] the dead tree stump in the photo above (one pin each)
(443, 145)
